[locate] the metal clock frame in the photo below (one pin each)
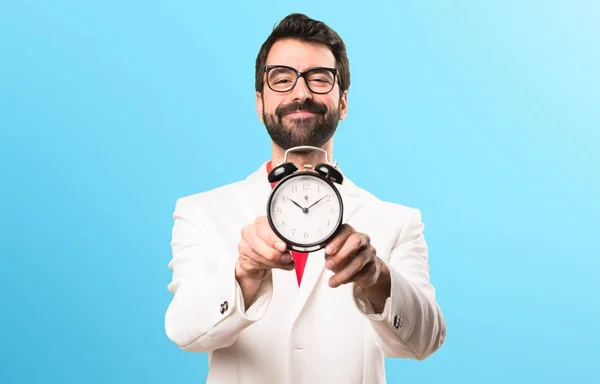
(311, 247)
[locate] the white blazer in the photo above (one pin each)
(310, 334)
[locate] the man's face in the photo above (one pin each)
(299, 116)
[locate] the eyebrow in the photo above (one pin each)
(276, 69)
(308, 68)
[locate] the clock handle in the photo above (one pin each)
(281, 171)
(329, 172)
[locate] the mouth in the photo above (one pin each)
(299, 114)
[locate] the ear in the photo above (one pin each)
(259, 106)
(344, 105)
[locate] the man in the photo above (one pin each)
(364, 297)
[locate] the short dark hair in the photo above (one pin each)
(301, 27)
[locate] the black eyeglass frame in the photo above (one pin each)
(299, 75)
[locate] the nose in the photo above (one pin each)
(301, 91)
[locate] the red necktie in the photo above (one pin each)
(299, 257)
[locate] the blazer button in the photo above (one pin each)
(397, 322)
(224, 307)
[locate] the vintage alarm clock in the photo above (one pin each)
(305, 208)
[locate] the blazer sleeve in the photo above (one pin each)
(207, 310)
(411, 324)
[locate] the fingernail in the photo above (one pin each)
(329, 248)
(329, 264)
(280, 246)
(286, 258)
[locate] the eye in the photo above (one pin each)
(321, 76)
(320, 80)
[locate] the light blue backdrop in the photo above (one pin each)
(485, 115)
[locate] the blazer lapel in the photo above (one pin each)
(257, 187)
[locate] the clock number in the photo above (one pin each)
(284, 199)
(320, 232)
(294, 189)
(294, 232)
(306, 235)
(278, 209)
(333, 210)
(306, 186)
(283, 223)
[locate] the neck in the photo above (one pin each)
(300, 158)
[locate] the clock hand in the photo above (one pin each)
(313, 204)
(305, 210)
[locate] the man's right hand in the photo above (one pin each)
(260, 250)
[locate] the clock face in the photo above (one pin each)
(305, 210)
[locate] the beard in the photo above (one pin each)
(314, 131)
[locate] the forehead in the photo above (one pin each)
(300, 55)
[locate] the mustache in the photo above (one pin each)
(308, 106)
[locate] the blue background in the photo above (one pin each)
(485, 115)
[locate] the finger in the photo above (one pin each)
(251, 235)
(265, 232)
(346, 274)
(258, 260)
(355, 243)
(338, 240)
(268, 252)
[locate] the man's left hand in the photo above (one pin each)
(352, 258)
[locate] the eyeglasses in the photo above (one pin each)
(281, 78)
